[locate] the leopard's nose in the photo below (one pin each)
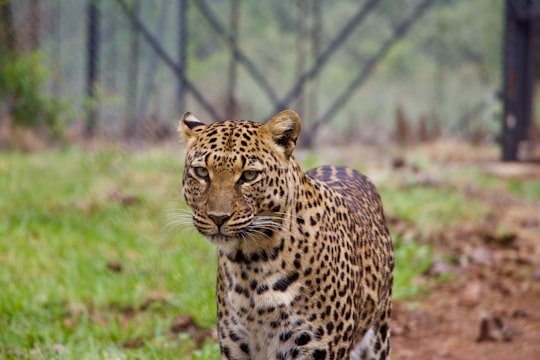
(219, 219)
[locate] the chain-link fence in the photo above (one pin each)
(361, 68)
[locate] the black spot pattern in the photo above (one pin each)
(304, 259)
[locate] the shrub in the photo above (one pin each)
(22, 78)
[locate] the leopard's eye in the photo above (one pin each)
(249, 175)
(201, 172)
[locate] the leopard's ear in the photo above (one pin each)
(285, 128)
(189, 126)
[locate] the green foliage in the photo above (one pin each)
(22, 78)
(452, 45)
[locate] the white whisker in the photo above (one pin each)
(253, 231)
(178, 217)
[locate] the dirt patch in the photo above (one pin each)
(489, 306)
(488, 309)
(470, 317)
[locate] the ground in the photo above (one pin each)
(488, 309)
(482, 295)
(466, 229)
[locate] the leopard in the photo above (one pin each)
(304, 259)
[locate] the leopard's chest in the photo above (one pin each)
(262, 304)
(260, 291)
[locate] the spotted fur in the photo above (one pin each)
(305, 260)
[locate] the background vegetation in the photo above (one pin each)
(446, 66)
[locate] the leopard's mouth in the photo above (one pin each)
(219, 235)
(254, 229)
(251, 233)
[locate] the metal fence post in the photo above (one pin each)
(518, 75)
(182, 51)
(92, 57)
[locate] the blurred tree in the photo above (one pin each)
(7, 48)
(473, 44)
(150, 73)
(22, 77)
(231, 105)
(92, 56)
(7, 30)
(29, 36)
(182, 43)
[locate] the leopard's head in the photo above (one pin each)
(236, 176)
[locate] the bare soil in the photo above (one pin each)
(486, 311)
(489, 306)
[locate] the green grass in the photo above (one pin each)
(412, 259)
(66, 216)
(527, 189)
(432, 209)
